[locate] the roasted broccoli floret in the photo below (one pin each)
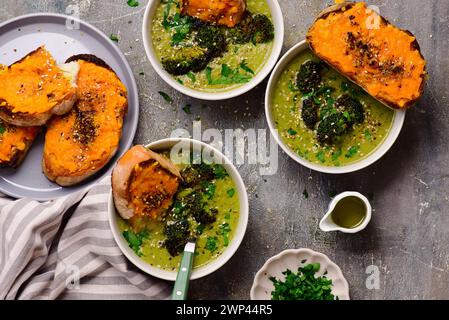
(332, 127)
(205, 217)
(351, 107)
(213, 40)
(197, 173)
(257, 29)
(211, 43)
(308, 78)
(309, 113)
(263, 29)
(186, 59)
(177, 234)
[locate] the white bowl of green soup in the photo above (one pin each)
(208, 60)
(324, 121)
(211, 202)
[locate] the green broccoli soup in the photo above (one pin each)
(208, 57)
(205, 207)
(325, 118)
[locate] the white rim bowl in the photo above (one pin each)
(292, 259)
(375, 155)
(235, 242)
(278, 22)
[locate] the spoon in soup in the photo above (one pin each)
(185, 269)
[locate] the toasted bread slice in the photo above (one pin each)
(14, 143)
(144, 183)
(381, 58)
(222, 12)
(81, 142)
(35, 87)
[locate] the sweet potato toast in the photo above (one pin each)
(14, 143)
(143, 183)
(221, 12)
(82, 142)
(35, 87)
(381, 58)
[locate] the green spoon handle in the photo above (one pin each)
(182, 279)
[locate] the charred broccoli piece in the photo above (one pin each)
(186, 59)
(263, 29)
(197, 173)
(332, 127)
(205, 217)
(309, 113)
(211, 43)
(257, 29)
(241, 33)
(351, 107)
(213, 40)
(308, 78)
(177, 234)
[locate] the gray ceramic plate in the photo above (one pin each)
(22, 35)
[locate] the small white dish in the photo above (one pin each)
(293, 259)
(378, 153)
(328, 225)
(278, 21)
(166, 144)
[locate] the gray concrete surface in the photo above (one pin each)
(408, 238)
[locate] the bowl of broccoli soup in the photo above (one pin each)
(324, 121)
(210, 205)
(213, 56)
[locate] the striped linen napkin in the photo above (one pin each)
(64, 249)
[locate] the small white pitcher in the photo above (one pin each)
(327, 224)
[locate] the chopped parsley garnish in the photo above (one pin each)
(228, 76)
(368, 135)
(165, 96)
(303, 285)
(211, 244)
(141, 73)
(352, 151)
(244, 66)
(336, 155)
(186, 109)
(291, 132)
(292, 87)
(135, 240)
(225, 229)
(220, 172)
(209, 189)
(133, 3)
(231, 192)
(2, 129)
(305, 194)
(191, 76)
(113, 37)
(321, 157)
(200, 228)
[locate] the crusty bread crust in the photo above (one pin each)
(72, 178)
(67, 181)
